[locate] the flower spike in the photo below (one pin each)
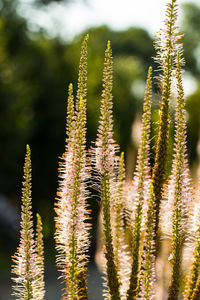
(140, 188)
(104, 164)
(178, 194)
(39, 282)
(167, 47)
(121, 252)
(72, 228)
(25, 259)
(168, 39)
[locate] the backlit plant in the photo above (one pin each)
(152, 206)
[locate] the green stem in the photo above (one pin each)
(132, 291)
(176, 257)
(112, 277)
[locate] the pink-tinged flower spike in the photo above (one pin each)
(25, 259)
(167, 46)
(105, 163)
(81, 171)
(139, 193)
(72, 229)
(147, 271)
(121, 252)
(179, 193)
(39, 287)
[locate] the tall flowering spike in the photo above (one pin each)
(168, 40)
(39, 281)
(194, 231)
(167, 46)
(139, 192)
(178, 193)
(105, 161)
(147, 271)
(121, 253)
(72, 228)
(80, 196)
(70, 112)
(25, 260)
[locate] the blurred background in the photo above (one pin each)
(39, 54)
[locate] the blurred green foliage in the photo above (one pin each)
(34, 74)
(191, 40)
(193, 109)
(191, 28)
